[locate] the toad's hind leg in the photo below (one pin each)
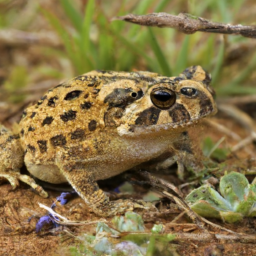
(11, 160)
(86, 186)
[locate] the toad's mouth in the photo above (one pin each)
(191, 121)
(134, 130)
(185, 119)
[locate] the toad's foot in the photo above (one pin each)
(14, 178)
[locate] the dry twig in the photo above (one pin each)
(159, 184)
(188, 24)
(64, 221)
(15, 37)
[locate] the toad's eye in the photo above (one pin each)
(190, 92)
(163, 98)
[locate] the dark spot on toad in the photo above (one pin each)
(178, 79)
(42, 145)
(47, 120)
(72, 95)
(41, 100)
(31, 129)
(148, 116)
(121, 97)
(13, 137)
(179, 114)
(57, 86)
(67, 116)
(86, 105)
(52, 101)
(58, 140)
(78, 134)
(24, 114)
(92, 125)
(91, 84)
(31, 148)
(95, 91)
(33, 114)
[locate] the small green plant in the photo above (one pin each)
(134, 241)
(237, 199)
(131, 222)
(17, 79)
(211, 149)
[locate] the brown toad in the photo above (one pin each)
(100, 124)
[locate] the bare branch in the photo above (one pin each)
(188, 24)
(20, 38)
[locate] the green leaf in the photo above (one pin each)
(131, 222)
(209, 196)
(182, 60)
(85, 33)
(65, 37)
(132, 47)
(210, 149)
(161, 5)
(157, 228)
(231, 217)
(73, 15)
(18, 78)
(218, 66)
(205, 209)
(245, 73)
(159, 54)
(233, 186)
(236, 90)
(140, 8)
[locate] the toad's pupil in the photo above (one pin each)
(162, 96)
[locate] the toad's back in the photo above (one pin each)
(72, 112)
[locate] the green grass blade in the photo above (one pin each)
(236, 90)
(65, 37)
(222, 7)
(159, 54)
(141, 8)
(132, 47)
(160, 6)
(73, 15)
(208, 52)
(237, 4)
(218, 67)
(243, 75)
(85, 43)
(182, 61)
(106, 42)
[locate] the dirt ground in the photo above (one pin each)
(20, 212)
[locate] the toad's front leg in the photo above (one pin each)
(86, 186)
(181, 153)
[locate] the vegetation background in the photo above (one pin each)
(45, 42)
